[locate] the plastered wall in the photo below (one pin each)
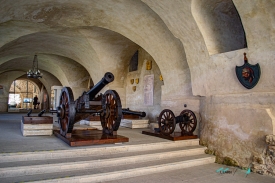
(135, 99)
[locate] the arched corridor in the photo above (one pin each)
(190, 50)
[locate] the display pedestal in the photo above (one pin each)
(90, 137)
(174, 136)
(134, 123)
(33, 125)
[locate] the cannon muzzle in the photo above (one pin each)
(108, 78)
(137, 113)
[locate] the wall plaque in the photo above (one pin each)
(149, 89)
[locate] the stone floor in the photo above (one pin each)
(11, 140)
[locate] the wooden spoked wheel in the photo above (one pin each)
(66, 112)
(111, 112)
(189, 123)
(167, 122)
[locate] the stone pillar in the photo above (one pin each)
(3, 104)
(4, 98)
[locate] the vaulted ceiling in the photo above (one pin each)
(79, 40)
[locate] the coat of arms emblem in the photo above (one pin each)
(248, 74)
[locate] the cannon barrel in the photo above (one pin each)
(128, 111)
(29, 113)
(42, 112)
(180, 118)
(108, 77)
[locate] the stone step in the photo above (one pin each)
(114, 172)
(18, 170)
(99, 164)
(96, 157)
(128, 173)
(90, 151)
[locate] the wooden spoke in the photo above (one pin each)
(167, 122)
(112, 112)
(189, 123)
(67, 111)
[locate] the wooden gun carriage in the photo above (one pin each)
(186, 120)
(107, 106)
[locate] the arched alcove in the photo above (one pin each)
(21, 94)
(220, 25)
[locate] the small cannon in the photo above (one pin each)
(167, 122)
(29, 113)
(41, 112)
(127, 111)
(108, 106)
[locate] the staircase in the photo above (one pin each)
(100, 164)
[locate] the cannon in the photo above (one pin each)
(29, 113)
(41, 113)
(127, 111)
(107, 106)
(186, 120)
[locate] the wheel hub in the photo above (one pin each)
(61, 111)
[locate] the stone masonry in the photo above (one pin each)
(265, 163)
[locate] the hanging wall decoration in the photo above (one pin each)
(248, 74)
(148, 65)
(132, 81)
(160, 77)
(137, 80)
(134, 88)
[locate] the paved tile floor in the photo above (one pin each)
(11, 140)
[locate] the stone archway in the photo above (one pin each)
(21, 94)
(220, 25)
